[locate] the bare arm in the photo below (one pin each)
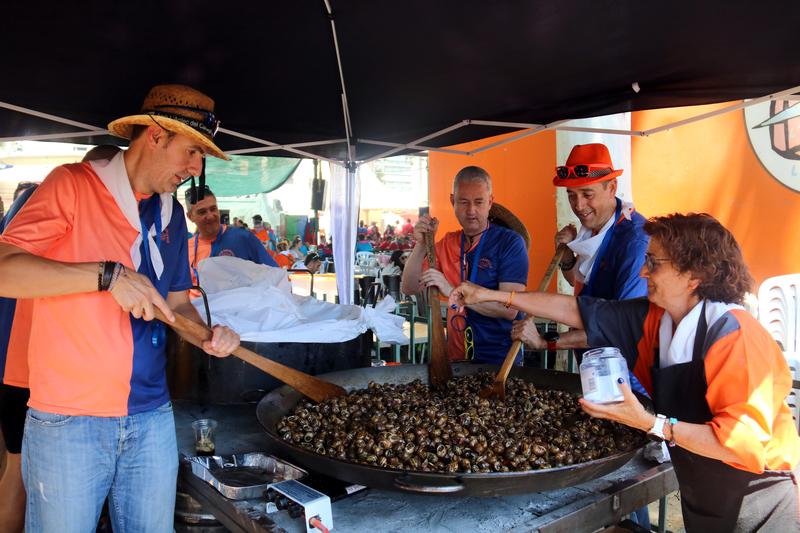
(499, 310)
(24, 275)
(525, 331)
(697, 438)
(410, 283)
(558, 307)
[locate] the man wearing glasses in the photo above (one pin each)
(486, 254)
(605, 256)
(99, 247)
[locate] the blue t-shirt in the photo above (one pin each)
(616, 274)
(239, 242)
(503, 259)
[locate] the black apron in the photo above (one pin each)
(716, 497)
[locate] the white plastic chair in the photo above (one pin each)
(779, 310)
(363, 258)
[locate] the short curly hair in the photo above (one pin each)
(698, 243)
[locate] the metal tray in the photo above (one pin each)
(243, 476)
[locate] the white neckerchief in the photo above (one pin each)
(585, 245)
(678, 348)
(115, 177)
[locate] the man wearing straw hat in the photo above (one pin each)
(604, 258)
(98, 247)
(482, 252)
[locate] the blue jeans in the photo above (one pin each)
(71, 463)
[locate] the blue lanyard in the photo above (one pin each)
(213, 253)
(587, 289)
(158, 332)
(473, 275)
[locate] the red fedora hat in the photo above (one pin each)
(586, 164)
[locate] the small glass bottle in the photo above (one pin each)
(600, 370)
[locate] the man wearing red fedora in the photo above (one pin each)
(99, 246)
(605, 256)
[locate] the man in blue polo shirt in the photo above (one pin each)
(605, 256)
(487, 254)
(212, 239)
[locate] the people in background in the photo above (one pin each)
(396, 263)
(487, 254)
(284, 257)
(311, 263)
(212, 238)
(718, 380)
(259, 230)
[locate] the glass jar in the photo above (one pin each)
(600, 370)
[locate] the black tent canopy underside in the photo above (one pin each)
(410, 68)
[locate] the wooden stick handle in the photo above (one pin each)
(508, 362)
(315, 388)
(439, 370)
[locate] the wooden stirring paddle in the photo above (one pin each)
(315, 388)
(498, 387)
(439, 370)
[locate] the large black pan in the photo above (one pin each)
(282, 400)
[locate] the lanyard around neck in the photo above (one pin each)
(194, 259)
(473, 275)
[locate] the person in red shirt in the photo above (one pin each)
(719, 381)
(408, 228)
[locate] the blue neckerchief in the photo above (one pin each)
(214, 252)
(462, 258)
(587, 286)
(158, 332)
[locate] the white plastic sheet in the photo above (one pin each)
(256, 302)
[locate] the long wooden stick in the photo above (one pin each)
(498, 386)
(315, 388)
(439, 370)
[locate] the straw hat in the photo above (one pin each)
(501, 216)
(179, 109)
(597, 162)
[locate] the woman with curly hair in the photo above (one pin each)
(718, 380)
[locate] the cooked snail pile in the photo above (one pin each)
(413, 427)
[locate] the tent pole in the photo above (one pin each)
(728, 109)
(47, 116)
(49, 136)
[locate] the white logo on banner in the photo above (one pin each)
(774, 132)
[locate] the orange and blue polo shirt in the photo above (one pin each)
(746, 373)
(87, 356)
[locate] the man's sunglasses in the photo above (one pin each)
(651, 262)
(583, 171)
(208, 125)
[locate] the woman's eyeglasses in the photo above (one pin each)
(651, 262)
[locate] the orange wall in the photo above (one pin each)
(709, 166)
(521, 177)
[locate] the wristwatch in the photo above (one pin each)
(552, 338)
(656, 433)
